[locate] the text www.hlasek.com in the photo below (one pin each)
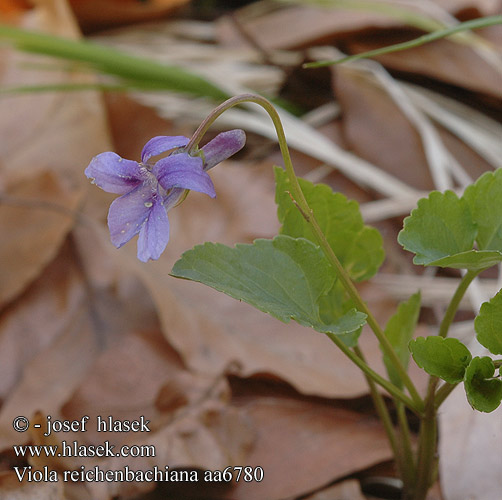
(74, 449)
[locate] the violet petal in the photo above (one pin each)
(161, 144)
(128, 213)
(154, 234)
(222, 147)
(114, 174)
(183, 171)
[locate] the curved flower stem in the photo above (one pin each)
(307, 212)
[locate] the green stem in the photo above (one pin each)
(381, 408)
(455, 301)
(361, 306)
(426, 463)
(401, 448)
(408, 467)
(388, 386)
(307, 212)
(442, 393)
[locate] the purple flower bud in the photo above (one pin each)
(150, 190)
(222, 147)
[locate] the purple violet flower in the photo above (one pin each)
(149, 190)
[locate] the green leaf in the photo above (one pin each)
(336, 304)
(284, 277)
(358, 247)
(440, 227)
(347, 327)
(443, 358)
(399, 331)
(483, 198)
(488, 324)
(484, 392)
(472, 259)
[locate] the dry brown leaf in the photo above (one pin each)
(93, 14)
(303, 445)
(123, 379)
(375, 129)
(397, 146)
(33, 323)
(135, 375)
(143, 376)
(36, 214)
(470, 160)
(442, 60)
(50, 131)
(46, 138)
(48, 342)
(484, 7)
(298, 27)
(47, 131)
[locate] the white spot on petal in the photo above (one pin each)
(148, 204)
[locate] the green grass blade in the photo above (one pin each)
(422, 40)
(113, 62)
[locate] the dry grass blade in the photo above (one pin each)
(477, 130)
(441, 162)
(373, 211)
(435, 290)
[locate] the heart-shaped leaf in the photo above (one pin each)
(399, 331)
(488, 324)
(443, 358)
(483, 199)
(358, 247)
(484, 392)
(284, 277)
(441, 227)
(472, 259)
